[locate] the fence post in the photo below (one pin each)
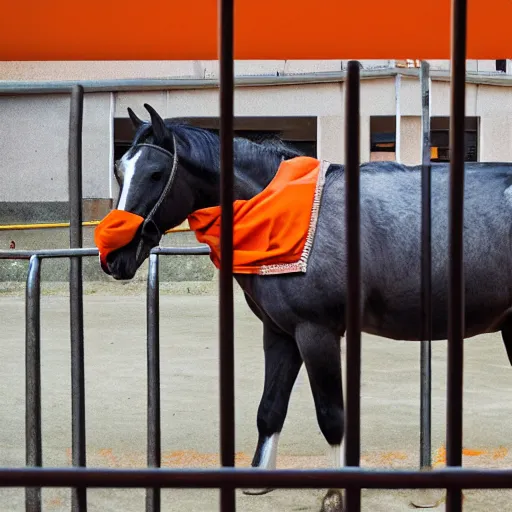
(426, 276)
(153, 496)
(33, 442)
(353, 311)
(454, 394)
(79, 496)
(226, 307)
(426, 498)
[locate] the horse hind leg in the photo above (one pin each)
(282, 365)
(320, 350)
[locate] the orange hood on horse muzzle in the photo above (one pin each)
(116, 230)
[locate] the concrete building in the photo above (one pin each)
(300, 100)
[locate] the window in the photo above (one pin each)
(382, 138)
(501, 65)
(440, 139)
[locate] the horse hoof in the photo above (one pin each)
(332, 502)
(256, 492)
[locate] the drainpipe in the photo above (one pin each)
(398, 117)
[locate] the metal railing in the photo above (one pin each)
(33, 426)
(353, 478)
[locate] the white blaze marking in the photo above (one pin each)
(129, 171)
(268, 458)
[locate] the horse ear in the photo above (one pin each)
(135, 120)
(157, 123)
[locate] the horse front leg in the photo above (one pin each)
(282, 365)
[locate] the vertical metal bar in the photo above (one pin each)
(153, 500)
(78, 495)
(33, 441)
(226, 316)
(353, 314)
(426, 277)
(456, 264)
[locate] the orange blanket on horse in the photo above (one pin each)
(273, 231)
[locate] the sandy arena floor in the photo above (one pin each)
(115, 333)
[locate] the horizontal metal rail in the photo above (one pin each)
(85, 252)
(256, 478)
(16, 88)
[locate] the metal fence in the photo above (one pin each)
(33, 439)
(353, 478)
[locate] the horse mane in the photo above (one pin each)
(204, 145)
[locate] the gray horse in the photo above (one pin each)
(303, 314)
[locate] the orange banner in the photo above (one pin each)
(265, 29)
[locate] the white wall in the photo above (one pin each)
(495, 110)
(97, 143)
(410, 133)
(34, 148)
(320, 99)
(34, 141)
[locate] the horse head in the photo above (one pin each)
(154, 197)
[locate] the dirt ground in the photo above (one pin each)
(115, 362)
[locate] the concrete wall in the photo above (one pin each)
(410, 133)
(34, 145)
(98, 133)
(494, 107)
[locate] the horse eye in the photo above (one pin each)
(156, 176)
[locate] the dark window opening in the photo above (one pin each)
(501, 65)
(440, 139)
(382, 138)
